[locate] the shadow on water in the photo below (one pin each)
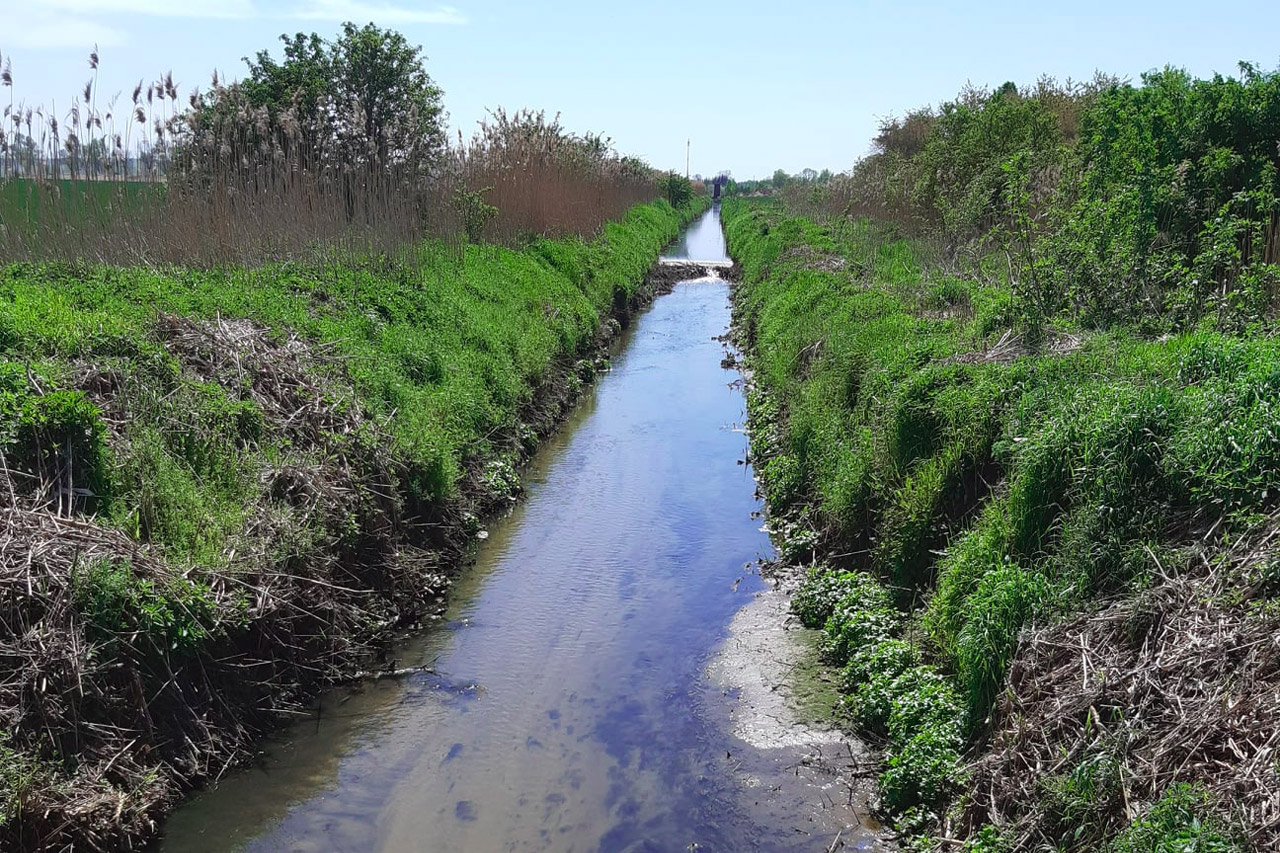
(572, 706)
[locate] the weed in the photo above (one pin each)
(1183, 820)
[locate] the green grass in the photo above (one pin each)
(444, 352)
(986, 495)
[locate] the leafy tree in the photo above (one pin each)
(677, 188)
(367, 90)
(397, 107)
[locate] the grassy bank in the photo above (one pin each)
(224, 489)
(1042, 561)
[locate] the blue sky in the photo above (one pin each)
(755, 85)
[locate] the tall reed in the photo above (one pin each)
(212, 179)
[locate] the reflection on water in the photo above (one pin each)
(570, 707)
(703, 240)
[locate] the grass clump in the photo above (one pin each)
(1184, 820)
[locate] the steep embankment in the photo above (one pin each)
(1047, 576)
(225, 489)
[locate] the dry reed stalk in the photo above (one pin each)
(1178, 684)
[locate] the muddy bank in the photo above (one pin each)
(135, 682)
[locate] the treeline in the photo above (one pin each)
(334, 143)
(1109, 202)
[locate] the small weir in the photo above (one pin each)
(610, 673)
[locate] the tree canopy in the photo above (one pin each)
(367, 90)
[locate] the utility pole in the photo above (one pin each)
(687, 145)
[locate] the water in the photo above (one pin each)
(703, 240)
(585, 695)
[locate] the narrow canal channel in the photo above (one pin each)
(586, 695)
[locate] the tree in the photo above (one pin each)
(396, 105)
(368, 91)
(303, 82)
(780, 179)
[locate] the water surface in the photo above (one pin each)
(703, 240)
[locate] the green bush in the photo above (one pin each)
(1183, 820)
(176, 616)
(922, 771)
(677, 190)
(925, 702)
(864, 616)
(989, 839)
(818, 596)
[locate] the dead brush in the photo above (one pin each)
(153, 676)
(1178, 684)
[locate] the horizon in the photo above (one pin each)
(807, 104)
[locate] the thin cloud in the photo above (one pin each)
(154, 8)
(38, 28)
(381, 13)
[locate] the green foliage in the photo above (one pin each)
(174, 616)
(999, 485)
(962, 166)
(54, 436)
(922, 771)
(474, 211)
(862, 617)
(1080, 801)
(1175, 201)
(888, 657)
(676, 189)
(817, 597)
(367, 88)
(989, 839)
(442, 354)
(17, 773)
(1004, 601)
(1183, 820)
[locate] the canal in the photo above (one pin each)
(610, 674)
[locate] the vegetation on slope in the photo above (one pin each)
(222, 488)
(1031, 519)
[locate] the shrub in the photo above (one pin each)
(864, 616)
(174, 616)
(818, 596)
(922, 771)
(676, 189)
(925, 701)
(1183, 820)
